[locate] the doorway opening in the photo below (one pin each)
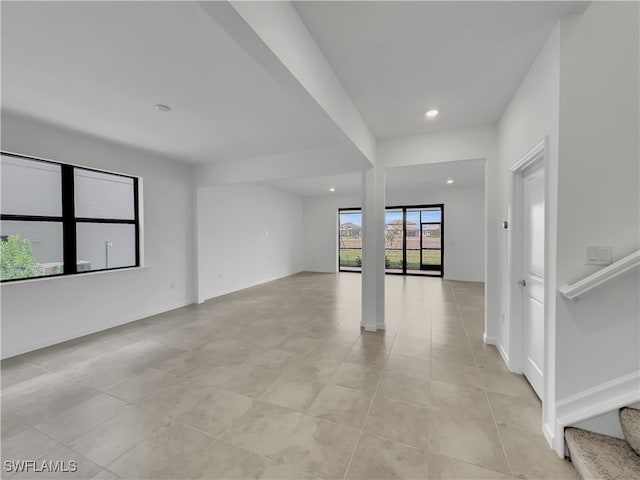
(414, 240)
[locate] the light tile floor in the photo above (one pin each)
(278, 382)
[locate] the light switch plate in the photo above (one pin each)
(597, 255)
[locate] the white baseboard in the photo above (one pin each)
(210, 295)
(12, 352)
(378, 327)
(495, 343)
(595, 401)
(550, 436)
(464, 279)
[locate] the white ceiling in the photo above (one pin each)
(398, 59)
(345, 184)
(100, 67)
(466, 174)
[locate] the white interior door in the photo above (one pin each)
(533, 276)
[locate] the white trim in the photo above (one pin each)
(546, 152)
(203, 298)
(534, 155)
(549, 435)
(589, 403)
(464, 279)
(503, 354)
(89, 331)
(601, 277)
(67, 277)
(495, 343)
(27, 156)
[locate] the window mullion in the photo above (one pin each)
(68, 221)
(136, 216)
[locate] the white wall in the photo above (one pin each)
(247, 234)
(321, 230)
(73, 306)
(598, 338)
(531, 116)
(453, 145)
(464, 228)
(582, 92)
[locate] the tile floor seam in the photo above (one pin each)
(148, 435)
(70, 447)
(46, 435)
(431, 452)
(355, 447)
(69, 442)
(495, 424)
(267, 460)
(504, 450)
(191, 427)
(334, 326)
(289, 370)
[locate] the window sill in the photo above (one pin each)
(76, 275)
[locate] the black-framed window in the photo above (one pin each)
(414, 240)
(59, 219)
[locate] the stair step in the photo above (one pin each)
(597, 456)
(630, 421)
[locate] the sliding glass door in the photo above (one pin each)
(413, 240)
(427, 254)
(350, 240)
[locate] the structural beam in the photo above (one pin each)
(275, 35)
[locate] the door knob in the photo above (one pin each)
(522, 283)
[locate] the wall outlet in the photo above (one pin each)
(598, 255)
(502, 317)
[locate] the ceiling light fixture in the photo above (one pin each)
(332, 189)
(449, 181)
(432, 113)
(163, 108)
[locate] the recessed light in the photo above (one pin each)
(432, 113)
(449, 181)
(163, 108)
(332, 189)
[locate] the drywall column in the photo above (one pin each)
(373, 249)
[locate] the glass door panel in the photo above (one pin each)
(350, 240)
(413, 240)
(431, 240)
(394, 241)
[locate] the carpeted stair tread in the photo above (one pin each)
(630, 421)
(601, 457)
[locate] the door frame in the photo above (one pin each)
(515, 296)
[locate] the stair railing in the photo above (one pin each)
(616, 269)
